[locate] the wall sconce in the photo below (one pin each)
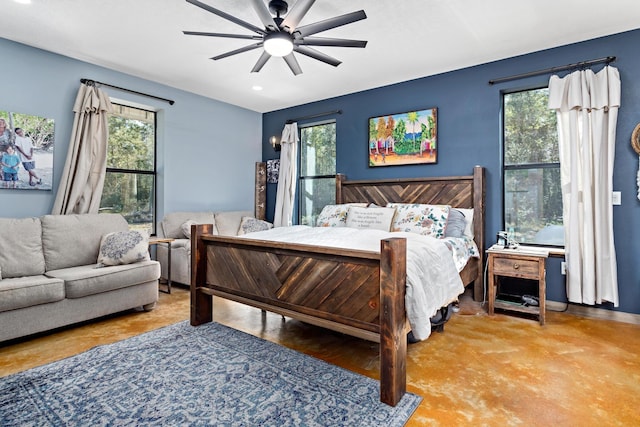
(275, 143)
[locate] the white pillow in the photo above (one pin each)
(335, 215)
(468, 217)
(186, 228)
(428, 220)
(249, 224)
(123, 247)
(373, 218)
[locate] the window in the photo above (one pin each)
(130, 183)
(317, 184)
(531, 173)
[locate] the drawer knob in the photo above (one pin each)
(516, 266)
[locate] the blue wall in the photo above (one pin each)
(469, 134)
(203, 144)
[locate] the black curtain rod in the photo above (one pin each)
(93, 82)
(582, 64)
(313, 116)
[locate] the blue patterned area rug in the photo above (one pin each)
(207, 375)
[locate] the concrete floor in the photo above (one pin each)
(482, 371)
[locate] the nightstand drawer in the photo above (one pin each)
(516, 267)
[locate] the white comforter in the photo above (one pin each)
(432, 277)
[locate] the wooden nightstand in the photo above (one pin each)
(523, 263)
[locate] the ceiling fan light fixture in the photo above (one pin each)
(278, 43)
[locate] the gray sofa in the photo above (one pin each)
(49, 276)
(175, 225)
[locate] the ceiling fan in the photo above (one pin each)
(281, 35)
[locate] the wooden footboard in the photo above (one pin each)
(360, 293)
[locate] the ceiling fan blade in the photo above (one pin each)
(324, 41)
(265, 15)
(231, 36)
(261, 61)
(296, 14)
(327, 24)
(228, 17)
(234, 52)
(312, 53)
(293, 64)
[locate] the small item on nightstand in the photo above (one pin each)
(502, 239)
(511, 239)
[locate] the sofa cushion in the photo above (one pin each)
(228, 223)
(123, 247)
(21, 247)
(21, 292)
(71, 240)
(172, 223)
(89, 280)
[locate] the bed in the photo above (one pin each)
(356, 292)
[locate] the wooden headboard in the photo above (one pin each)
(457, 191)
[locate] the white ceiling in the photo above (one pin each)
(407, 39)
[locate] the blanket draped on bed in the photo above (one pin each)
(432, 277)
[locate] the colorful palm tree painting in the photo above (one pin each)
(403, 139)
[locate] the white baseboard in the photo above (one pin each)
(593, 312)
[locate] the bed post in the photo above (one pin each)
(478, 228)
(201, 303)
(340, 178)
(260, 203)
(393, 338)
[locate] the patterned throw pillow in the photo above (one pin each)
(249, 224)
(428, 220)
(335, 215)
(123, 247)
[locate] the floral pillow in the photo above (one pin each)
(123, 247)
(335, 215)
(249, 224)
(428, 220)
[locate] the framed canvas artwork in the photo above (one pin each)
(403, 139)
(26, 151)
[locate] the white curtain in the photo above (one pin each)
(285, 195)
(82, 180)
(587, 109)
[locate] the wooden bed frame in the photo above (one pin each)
(360, 293)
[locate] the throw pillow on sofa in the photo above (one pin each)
(123, 247)
(186, 228)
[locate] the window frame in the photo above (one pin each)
(154, 172)
(301, 177)
(521, 166)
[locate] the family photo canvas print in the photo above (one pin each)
(403, 139)
(26, 151)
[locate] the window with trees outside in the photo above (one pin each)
(531, 171)
(317, 176)
(130, 182)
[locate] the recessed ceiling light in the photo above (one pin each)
(256, 87)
